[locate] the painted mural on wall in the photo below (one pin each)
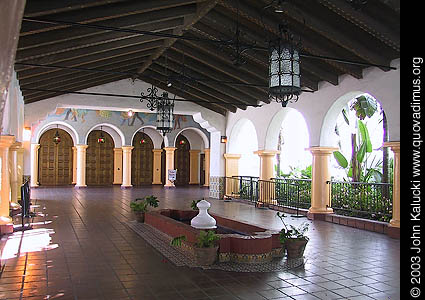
(83, 120)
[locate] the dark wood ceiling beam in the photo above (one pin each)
(86, 57)
(261, 60)
(102, 67)
(365, 22)
(145, 22)
(46, 7)
(221, 66)
(47, 95)
(201, 11)
(193, 92)
(76, 81)
(215, 73)
(108, 40)
(199, 87)
(270, 24)
(102, 13)
(393, 4)
(182, 94)
(208, 82)
(334, 34)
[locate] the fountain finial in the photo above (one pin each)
(203, 220)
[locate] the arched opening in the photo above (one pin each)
(99, 159)
(243, 140)
(182, 160)
(55, 159)
(293, 160)
(142, 159)
(360, 129)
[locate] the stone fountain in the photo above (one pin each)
(203, 220)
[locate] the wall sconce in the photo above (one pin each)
(223, 139)
(130, 113)
(57, 138)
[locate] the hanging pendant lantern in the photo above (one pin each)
(57, 138)
(164, 114)
(284, 69)
(101, 139)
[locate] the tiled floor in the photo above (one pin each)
(82, 249)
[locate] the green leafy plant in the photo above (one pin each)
(142, 204)
(207, 239)
(194, 203)
(177, 241)
(292, 232)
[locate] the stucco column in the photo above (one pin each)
(81, 166)
(126, 167)
(74, 165)
(320, 191)
(34, 165)
(395, 147)
(207, 167)
(169, 165)
(6, 141)
(118, 166)
(266, 188)
(20, 154)
(194, 164)
(156, 176)
(232, 169)
(13, 164)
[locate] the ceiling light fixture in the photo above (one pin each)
(57, 138)
(101, 139)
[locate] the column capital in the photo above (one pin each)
(170, 149)
(156, 150)
(194, 151)
(207, 150)
(127, 148)
(6, 141)
(117, 149)
(266, 152)
(395, 146)
(318, 150)
(81, 147)
(15, 146)
(231, 156)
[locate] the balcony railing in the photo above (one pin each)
(364, 200)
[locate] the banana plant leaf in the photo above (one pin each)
(341, 160)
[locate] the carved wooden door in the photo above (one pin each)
(142, 160)
(55, 160)
(99, 159)
(182, 160)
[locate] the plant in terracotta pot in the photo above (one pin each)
(293, 239)
(140, 205)
(206, 247)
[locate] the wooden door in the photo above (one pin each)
(182, 160)
(142, 160)
(55, 160)
(202, 170)
(99, 159)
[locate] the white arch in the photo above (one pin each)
(154, 135)
(273, 129)
(197, 130)
(327, 138)
(61, 125)
(112, 130)
(233, 138)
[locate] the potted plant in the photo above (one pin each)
(293, 239)
(206, 247)
(140, 205)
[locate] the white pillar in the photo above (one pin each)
(13, 163)
(81, 166)
(5, 143)
(34, 165)
(126, 167)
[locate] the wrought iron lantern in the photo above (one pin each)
(164, 114)
(101, 139)
(284, 69)
(57, 138)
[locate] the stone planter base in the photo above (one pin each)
(205, 256)
(295, 248)
(140, 217)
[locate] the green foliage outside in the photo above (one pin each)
(291, 231)
(142, 204)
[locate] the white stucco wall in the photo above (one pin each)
(13, 114)
(324, 105)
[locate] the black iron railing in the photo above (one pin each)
(364, 200)
(242, 187)
(303, 197)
